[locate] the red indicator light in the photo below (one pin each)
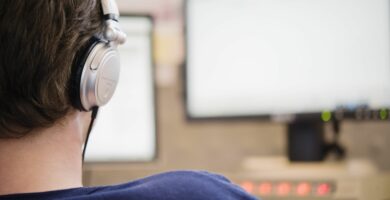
(283, 189)
(303, 189)
(323, 189)
(248, 186)
(265, 189)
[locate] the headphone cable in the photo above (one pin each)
(95, 111)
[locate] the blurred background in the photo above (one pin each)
(169, 125)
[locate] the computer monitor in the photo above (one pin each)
(288, 59)
(125, 129)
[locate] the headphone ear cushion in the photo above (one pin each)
(77, 71)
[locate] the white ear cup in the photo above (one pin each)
(100, 76)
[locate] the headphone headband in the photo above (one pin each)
(110, 9)
(113, 32)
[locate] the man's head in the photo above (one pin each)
(39, 40)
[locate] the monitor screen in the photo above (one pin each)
(125, 129)
(286, 57)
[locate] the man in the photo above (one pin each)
(42, 129)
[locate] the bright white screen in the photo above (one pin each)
(260, 57)
(125, 129)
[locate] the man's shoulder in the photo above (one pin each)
(178, 185)
(183, 178)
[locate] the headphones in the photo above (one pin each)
(95, 71)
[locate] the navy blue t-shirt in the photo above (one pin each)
(180, 185)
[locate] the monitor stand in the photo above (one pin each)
(306, 141)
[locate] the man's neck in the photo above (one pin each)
(49, 159)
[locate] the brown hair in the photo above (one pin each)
(39, 40)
